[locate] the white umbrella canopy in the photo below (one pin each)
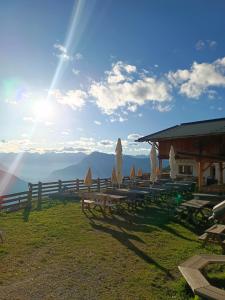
(153, 158)
(172, 163)
(113, 177)
(119, 161)
(88, 178)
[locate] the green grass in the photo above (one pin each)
(61, 253)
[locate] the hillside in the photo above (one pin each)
(101, 165)
(10, 183)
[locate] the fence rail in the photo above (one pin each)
(36, 192)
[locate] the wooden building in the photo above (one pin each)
(201, 145)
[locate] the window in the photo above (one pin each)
(186, 169)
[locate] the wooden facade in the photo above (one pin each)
(202, 142)
(205, 150)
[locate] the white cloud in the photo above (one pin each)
(60, 47)
(124, 87)
(75, 99)
(78, 56)
(202, 76)
(132, 108)
(84, 144)
(117, 119)
(140, 115)
(97, 122)
(29, 119)
(200, 45)
(203, 44)
(75, 71)
(163, 107)
(133, 136)
(65, 132)
(62, 52)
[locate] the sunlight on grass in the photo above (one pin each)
(112, 257)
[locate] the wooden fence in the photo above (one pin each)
(36, 192)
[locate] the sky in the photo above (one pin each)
(76, 75)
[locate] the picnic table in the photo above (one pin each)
(194, 207)
(213, 198)
(136, 196)
(108, 200)
(215, 235)
(179, 185)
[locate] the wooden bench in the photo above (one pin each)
(203, 237)
(87, 200)
(191, 271)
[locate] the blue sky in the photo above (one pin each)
(76, 75)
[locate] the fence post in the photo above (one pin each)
(39, 195)
(106, 183)
(77, 185)
(60, 186)
(98, 184)
(29, 196)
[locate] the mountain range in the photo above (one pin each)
(34, 167)
(101, 165)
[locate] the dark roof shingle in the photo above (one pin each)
(184, 130)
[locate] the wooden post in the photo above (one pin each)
(160, 165)
(1, 198)
(106, 183)
(200, 174)
(77, 185)
(39, 195)
(60, 186)
(98, 184)
(29, 196)
(221, 173)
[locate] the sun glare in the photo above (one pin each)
(43, 110)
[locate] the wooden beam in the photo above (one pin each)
(221, 172)
(200, 174)
(160, 166)
(209, 165)
(201, 156)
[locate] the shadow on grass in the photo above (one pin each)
(145, 220)
(26, 213)
(218, 282)
(124, 238)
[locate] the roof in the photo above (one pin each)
(185, 130)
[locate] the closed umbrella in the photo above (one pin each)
(113, 177)
(132, 173)
(119, 162)
(172, 162)
(153, 158)
(88, 179)
(139, 173)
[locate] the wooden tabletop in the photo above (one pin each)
(216, 229)
(195, 203)
(132, 191)
(112, 196)
(157, 189)
(208, 195)
(179, 183)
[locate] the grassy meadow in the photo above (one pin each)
(61, 253)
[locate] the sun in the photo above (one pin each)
(43, 110)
